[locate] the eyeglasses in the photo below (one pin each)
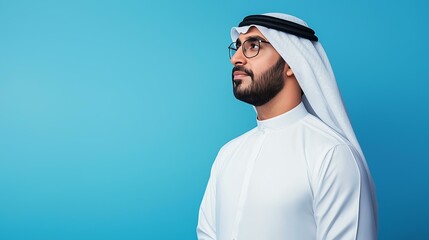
(250, 47)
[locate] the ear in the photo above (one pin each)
(289, 71)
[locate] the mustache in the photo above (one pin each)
(242, 69)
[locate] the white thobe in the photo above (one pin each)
(291, 177)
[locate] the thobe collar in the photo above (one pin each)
(284, 120)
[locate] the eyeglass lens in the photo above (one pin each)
(250, 48)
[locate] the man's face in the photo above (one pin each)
(258, 79)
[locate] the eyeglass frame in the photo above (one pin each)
(230, 48)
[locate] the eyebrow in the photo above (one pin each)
(252, 37)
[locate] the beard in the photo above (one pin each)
(263, 88)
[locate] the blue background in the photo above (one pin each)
(112, 112)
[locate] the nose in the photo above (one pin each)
(238, 58)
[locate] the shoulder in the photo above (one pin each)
(233, 144)
(325, 147)
(228, 148)
(321, 133)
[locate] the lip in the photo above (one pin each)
(239, 74)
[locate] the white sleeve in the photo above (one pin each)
(206, 229)
(339, 183)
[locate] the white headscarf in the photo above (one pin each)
(314, 74)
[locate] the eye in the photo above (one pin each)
(252, 45)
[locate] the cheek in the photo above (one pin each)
(264, 65)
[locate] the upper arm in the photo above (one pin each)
(206, 229)
(337, 195)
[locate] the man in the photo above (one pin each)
(300, 174)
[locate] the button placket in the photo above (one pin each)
(246, 181)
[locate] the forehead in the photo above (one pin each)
(251, 33)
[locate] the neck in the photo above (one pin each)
(274, 108)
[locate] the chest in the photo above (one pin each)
(269, 171)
